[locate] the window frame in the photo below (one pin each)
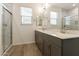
(26, 16)
(26, 23)
(53, 18)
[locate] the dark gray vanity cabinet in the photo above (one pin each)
(56, 46)
(39, 41)
(46, 45)
(53, 46)
(55, 50)
(37, 38)
(71, 47)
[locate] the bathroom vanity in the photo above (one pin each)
(56, 43)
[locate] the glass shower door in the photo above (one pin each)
(7, 17)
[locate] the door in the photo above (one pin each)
(6, 24)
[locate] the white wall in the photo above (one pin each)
(74, 11)
(22, 34)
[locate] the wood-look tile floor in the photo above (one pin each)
(24, 50)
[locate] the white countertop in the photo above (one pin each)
(57, 33)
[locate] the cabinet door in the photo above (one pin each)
(55, 50)
(36, 37)
(40, 42)
(47, 48)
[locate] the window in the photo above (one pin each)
(53, 18)
(26, 14)
(67, 20)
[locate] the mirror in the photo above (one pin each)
(67, 18)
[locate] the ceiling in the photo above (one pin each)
(65, 5)
(60, 5)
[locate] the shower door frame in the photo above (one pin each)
(4, 7)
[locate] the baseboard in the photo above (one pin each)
(7, 50)
(24, 43)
